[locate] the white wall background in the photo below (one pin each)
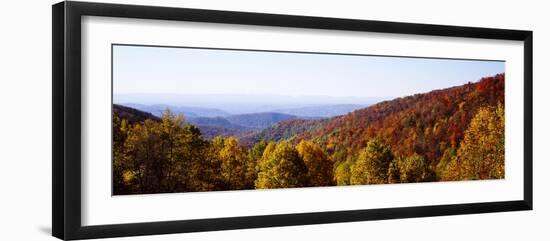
(25, 124)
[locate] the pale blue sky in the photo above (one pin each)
(185, 71)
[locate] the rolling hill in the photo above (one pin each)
(209, 128)
(131, 114)
(187, 111)
(259, 120)
(216, 119)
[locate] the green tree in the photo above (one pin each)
(257, 150)
(372, 164)
(318, 165)
(254, 156)
(281, 167)
(445, 164)
(342, 172)
(415, 169)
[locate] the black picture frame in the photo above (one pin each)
(66, 127)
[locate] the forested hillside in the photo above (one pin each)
(450, 134)
(428, 124)
(284, 130)
(132, 115)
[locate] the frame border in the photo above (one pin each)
(66, 119)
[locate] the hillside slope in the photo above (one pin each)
(428, 124)
(284, 130)
(131, 114)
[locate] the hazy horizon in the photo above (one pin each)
(242, 104)
(174, 98)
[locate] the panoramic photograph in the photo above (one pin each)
(199, 119)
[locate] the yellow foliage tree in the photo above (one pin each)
(281, 167)
(481, 153)
(163, 156)
(234, 164)
(318, 165)
(121, 185)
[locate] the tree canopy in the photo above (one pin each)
(281, 167)
(372, 164)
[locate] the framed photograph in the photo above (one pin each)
(169, 120)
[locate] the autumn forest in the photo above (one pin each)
(449, 134)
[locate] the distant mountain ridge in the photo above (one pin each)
(187, 111)
(247, 103)
(321, 111)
